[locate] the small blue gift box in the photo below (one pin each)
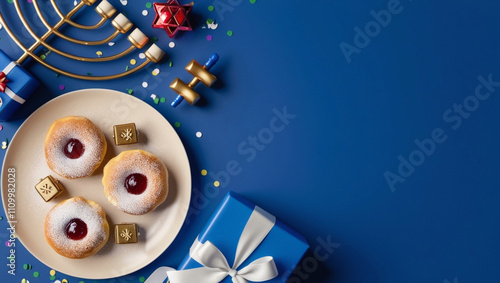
(225, 230)
(20, 86)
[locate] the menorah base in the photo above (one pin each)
(18, 86)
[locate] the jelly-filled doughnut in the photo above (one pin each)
(74, 147)
(135, 181)
(76, 228)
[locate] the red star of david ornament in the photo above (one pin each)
(172, 17)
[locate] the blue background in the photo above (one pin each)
(323, 174)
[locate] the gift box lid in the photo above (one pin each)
(21, 82)
(225, 226)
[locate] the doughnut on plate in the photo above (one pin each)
(104, 108)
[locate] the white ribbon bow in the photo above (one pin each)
(214, 264)
(8, 91)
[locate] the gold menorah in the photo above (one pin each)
(121, 24)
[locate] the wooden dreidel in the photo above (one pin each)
(200, 73)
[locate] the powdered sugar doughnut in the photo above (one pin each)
(135, 181)
(76, 228)
(74, 147)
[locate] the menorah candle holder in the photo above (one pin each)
(106, 11)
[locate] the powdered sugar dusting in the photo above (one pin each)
(89, 135)
(60, 216)
(130, 162)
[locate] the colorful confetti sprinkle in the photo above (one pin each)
(64, 281)
(216, 184)
(27, 266)
(145, 12)
(133, 62)
(52, 277)
(210, 8)
(149, 5)
(130, 91)
(162, 100)
(61, 87)
(253, 1)
(36, 274)
(170, 63)
(229, 33)
(142, 279)
(145, 84)
(127, 68)
(171, 44)
(124, 2)
(153, 96)
(199, 134)
(43, 56)
(99, 53)
(142, 56)
(1, 127)
(7, 243)
(52, 272)
(24, 281)
(5, 143)
(155, 72)
(177, 124)
(209, 21)
(111, 43)
(209, 37)
(157, 100)
(1, 218)
(204, 172)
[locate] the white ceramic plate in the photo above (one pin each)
(105, 108)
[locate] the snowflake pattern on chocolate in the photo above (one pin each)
(46, 189)
(126, 234)
(127, 134)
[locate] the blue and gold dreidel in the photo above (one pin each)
(16, 85)
(201, 74)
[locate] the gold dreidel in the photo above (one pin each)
(201, 74)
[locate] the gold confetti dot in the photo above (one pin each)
(132, 62)
(64, 281)
(155, 72)
(52, 272)
(216, 184)
(204, 172)
(99, 53)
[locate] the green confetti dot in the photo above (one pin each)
(177, 124)
(253, 1)
(210, 8)
(89, 74)
(153, 39)
(209, 21)
(1, 218)
(142, 279)
(162, 100)
(43, 56)
(25, 266)
(157, 100)
(10, 1)
(81, 282)
(53, 277)
(57, 75)
(127, 68)
(149, 5)
(229, 33)
(170, 63)
(130, 91)
(36, 274)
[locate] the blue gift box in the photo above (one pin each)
(225, 227)
(20, 86)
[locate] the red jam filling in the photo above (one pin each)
(76, 229)
(74, 149)
(136, 183)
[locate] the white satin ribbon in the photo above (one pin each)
(214, 264)
(8, 91)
